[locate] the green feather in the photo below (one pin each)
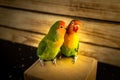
(52, 34)
(47, 49)
(69, 51)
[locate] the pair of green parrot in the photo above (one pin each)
(60, 40)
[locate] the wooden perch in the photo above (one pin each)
(84, 69)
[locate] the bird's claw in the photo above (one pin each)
(60, 57)
(41, 62)
(54, 61)
(74, 59)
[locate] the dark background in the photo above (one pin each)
(16, 58)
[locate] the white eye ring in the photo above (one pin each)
(77, 25)
(72, 22)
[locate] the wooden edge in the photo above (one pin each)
(93, 70)
(27, 70)
(84, 58)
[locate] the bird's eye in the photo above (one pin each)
(61, 26)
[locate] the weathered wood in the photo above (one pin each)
(96, 32)
(98, 9)
(22, 37)
(84, 69)
(102, 54)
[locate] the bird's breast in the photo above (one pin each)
(59, 43)
(71, 41)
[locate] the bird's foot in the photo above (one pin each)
(74, 59)
(60, 57)
(54, 61)
(41, 62)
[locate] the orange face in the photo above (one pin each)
(74, 26)
(62, 29)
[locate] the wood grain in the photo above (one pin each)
(22, 37)
(102, 54)
(95, 32)
(97, 9)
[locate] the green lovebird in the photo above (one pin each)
(70, 46)
(49, 46)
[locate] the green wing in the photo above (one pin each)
(41, 47)
(47, 49)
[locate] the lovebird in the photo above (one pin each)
(70, 46)
(49, 46)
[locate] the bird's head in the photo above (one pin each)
(74, 26)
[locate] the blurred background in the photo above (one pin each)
(23, 23)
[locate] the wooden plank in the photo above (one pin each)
(97, 9)
(96, 32)
(20, 36)
(102, 54)
(81, 70)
